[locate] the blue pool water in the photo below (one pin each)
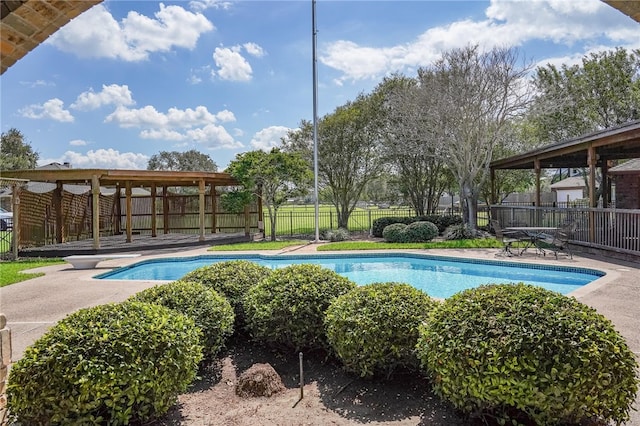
(435, 275)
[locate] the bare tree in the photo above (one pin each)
(411, 146)
(475, 94)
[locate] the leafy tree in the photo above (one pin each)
(411, 146)
(189, 161)
(602, 92)
(15, 153)
(274, 176)
(475, 95)
(348, 151)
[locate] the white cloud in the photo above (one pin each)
(96, 33)
(508, 22)
(231, 64)
(225, 116)
(52, 109)
(113, 94)
(209, 137)
(269, 137)
(254, 49)
(78, 142)
(202, 5)
(102, 159)
(148, 116)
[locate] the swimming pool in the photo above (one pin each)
(438, 276)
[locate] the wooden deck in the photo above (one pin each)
(139, 244)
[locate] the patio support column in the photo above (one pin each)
(127, 193)
(592, 159)
(95, 211)
(57, 203)
(201, 208)
(214, 207)
(154, 224)
(536, 166)
(606, 184)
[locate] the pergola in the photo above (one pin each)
(127, 179)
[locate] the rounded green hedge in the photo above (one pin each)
(374, 328)
(420, 232)
(232, 279)
(210, 311)
(287, 309)
(394, 233)
(520, 350)
(111, 364)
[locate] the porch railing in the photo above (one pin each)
(610, 229)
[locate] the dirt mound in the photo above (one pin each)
(259, 380)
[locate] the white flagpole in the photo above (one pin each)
(315, 121)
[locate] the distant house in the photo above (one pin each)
(627, 180)
(569, 189)
(55, 166)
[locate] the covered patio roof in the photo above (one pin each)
(616, 143)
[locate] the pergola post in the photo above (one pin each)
(95, 211)
(128, 202)
(57, 203)
(536, 166)
(15, 229)
(165, 210)
(214, 208)
(154, 224)
(201, 208)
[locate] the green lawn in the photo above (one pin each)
(367, 245)
(11, 272)
(258, 245)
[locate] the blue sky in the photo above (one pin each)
(128, 79)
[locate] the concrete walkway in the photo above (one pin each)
(32, 306)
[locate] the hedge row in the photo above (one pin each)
(441, 221)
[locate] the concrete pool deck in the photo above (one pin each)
(32, 306)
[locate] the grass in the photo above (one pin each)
(258, 245)
(454, 244)
(11, 272)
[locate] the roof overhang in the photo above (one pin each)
(27, 23)
(616, 143)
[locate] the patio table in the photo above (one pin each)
(530, 234)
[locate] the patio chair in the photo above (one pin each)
(505, 237)
(557, 241)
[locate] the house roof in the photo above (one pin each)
(573, 182)
(628, 167)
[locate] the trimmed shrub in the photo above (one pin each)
(210, 311)
(374, 328)
(520, 352)
(334, 235)
(287, 309)
(420, 232)
(379, 224)
(394, 233)
(441, 221)
(458, 232)
(111, 364)
(232, 279)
